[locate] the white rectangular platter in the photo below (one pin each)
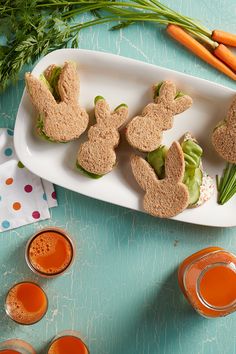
(120, 79)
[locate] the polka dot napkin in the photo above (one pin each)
(24, 197)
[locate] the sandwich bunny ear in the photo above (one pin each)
(68, 83)
(102, 110)
(119, 115)
(223, 136)
(143, 172)
(181, 104)
(174, 164)
(40, 95)
(231, 117)
(167, 93)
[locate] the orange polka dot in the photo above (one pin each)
(16, 206)
(9, 181)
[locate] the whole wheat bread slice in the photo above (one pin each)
(224, 136)
(167, 197)
(144, 132)
(63, 121)
(97, 155)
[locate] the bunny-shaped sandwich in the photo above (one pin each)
(180, 165)
(224, 135)
(145, 132)
(55, 96)
(97, 156)
(167, 197)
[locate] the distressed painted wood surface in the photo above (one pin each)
(122, 292)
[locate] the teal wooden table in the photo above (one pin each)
(122, 292)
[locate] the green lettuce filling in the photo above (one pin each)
(86, 173)
(156, 159)
(53, 81)
(40, 130)
(157, 91)
(192, 174)
(220, 123)
(43, 79)
(192, 153)
(52, 85)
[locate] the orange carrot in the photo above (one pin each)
(224, 37)
(197, 48)
(224, 54)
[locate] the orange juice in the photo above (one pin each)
(218, 286)
(16, 346)
(49, 252)
(208, 281)
(68, 343)
(26, 303)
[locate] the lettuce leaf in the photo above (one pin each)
(192, 153)
(40, 126)
(193, 172)
(157, 91)
(156, 159)
(86, 173)
(53, 81)
(52, 85)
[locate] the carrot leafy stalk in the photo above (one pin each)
(226, 185)
(30, 29)
(198, 49)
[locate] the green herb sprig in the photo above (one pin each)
(30, 32)
(226, 185)
(32, 28)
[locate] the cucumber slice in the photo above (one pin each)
(193, 181)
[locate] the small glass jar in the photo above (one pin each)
(26, 303)
(208, 281)
(50, 252)
(68, 342)
(16, 346)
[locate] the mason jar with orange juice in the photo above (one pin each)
(208, 281)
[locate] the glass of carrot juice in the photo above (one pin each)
(26, 303)
(68, 342)
(49, 252)
(16, 346)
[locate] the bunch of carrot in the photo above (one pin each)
(43, 26)
(187, 31)
(220, 57)
(210, 46)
